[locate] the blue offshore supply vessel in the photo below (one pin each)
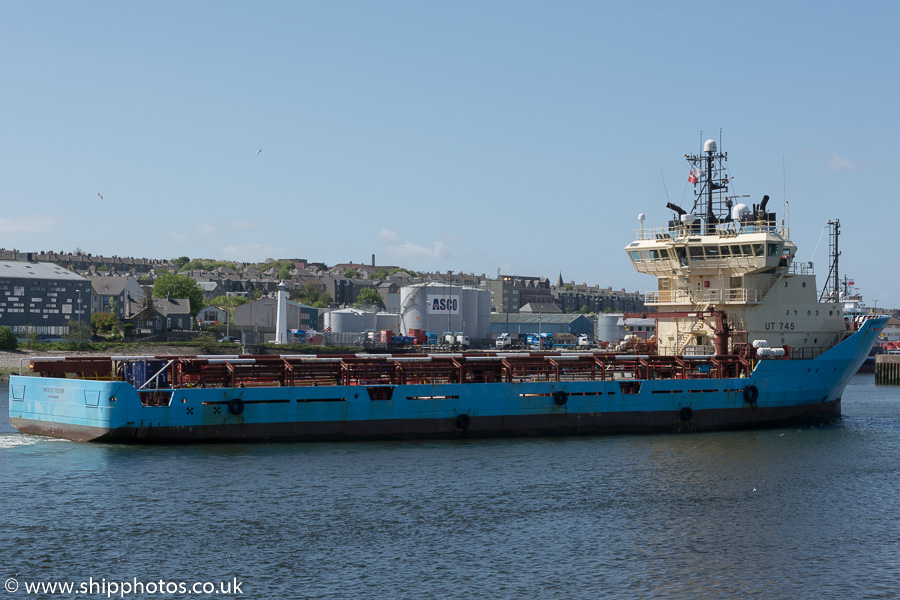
(742, 340)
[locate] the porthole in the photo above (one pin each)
(782, 341)
(817, 312)
(808, 313)
(830, 312)
(787, 313)
(815, 340)
(795, 312)
(803, 284)
(785, 284)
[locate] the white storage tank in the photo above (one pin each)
(443, 308)
(349, 320)
(387, 321)
(608, 329)
(484, 312)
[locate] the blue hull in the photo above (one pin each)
(789, 392)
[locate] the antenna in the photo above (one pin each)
(787, 213)
(664, 183)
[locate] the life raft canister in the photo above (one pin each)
(235, 406)
(751, 393)
(463, 421)
(560, 397)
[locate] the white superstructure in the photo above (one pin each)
(725, 259)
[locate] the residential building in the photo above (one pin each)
(42, 298)
(510, 292)
(111, 294)
(153, 316)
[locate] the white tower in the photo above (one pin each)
(281, 321)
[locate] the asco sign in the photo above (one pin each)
(443, 305)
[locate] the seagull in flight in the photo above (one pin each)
(101, 197)
(258, 151)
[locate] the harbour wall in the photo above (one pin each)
(887, 369)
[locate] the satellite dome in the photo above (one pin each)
(641, 217)
(709, 146)
(688, 218)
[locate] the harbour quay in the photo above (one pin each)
(887, 369)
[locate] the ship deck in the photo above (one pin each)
(151, 373)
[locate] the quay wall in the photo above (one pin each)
(887, 369)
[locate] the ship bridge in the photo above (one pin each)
(689, 265)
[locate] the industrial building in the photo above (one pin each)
(518, 325)
(353, 320)
(261, 315)
(41, 298)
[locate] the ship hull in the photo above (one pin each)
(624, 422)
(776, 393)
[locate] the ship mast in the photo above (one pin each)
(831, 290)
(711, 180)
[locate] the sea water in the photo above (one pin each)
(811, 512)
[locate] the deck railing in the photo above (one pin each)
(375, 370)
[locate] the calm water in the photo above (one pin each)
(788, 513)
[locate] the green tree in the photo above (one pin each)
(381, 274)
(224, 302)
(585, 309)
(369, 296)
(350, 273)
(310, 295)
(111, 305)
(179, 286)
(8, 340)
(227, 303)
(181, 261)
(31, 337)
(79, 331)
(284, 272)
(104, 323)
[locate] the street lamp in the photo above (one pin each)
(541, 330)
(227, 311)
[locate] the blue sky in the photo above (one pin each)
(464, 136)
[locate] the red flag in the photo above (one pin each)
(692, 178)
